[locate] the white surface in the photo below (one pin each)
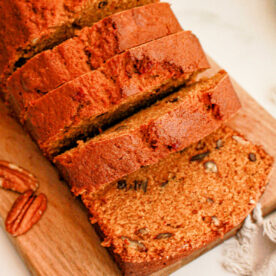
(241, 36)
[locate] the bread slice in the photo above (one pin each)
(88, 50)
(170, 210)
(124, 83)
(30, 26)
(168, 126)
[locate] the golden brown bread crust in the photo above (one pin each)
(88, 50)
(147, 268)
(123, 82)
(104, 159)
(192, 204)
(28, 27)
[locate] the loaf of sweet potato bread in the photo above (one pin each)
(125, 82)
(30, 26)
(88, 50)
(168, 126)
(170, 210)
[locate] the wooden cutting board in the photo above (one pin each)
(64, 242)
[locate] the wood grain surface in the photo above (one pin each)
(64, 242)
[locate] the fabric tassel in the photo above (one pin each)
(270, 228)
(253, 250)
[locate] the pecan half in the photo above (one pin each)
(163, 236)
(16, 178)
(25, 212)
(134, 244)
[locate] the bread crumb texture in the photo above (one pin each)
(169, 210)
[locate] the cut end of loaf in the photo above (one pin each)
(169, 210)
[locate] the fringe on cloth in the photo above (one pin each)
(253, 250)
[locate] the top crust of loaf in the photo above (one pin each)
(88, 50)
(120, 85)
(150, 135)
(28, 27)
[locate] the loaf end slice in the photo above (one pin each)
(179, 206)
(168, 126)
(87, 51)
(125, 83)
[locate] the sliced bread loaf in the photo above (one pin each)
(30, 26)
(124, 83)
(169, 125)
(88, 50)
(174, 209)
